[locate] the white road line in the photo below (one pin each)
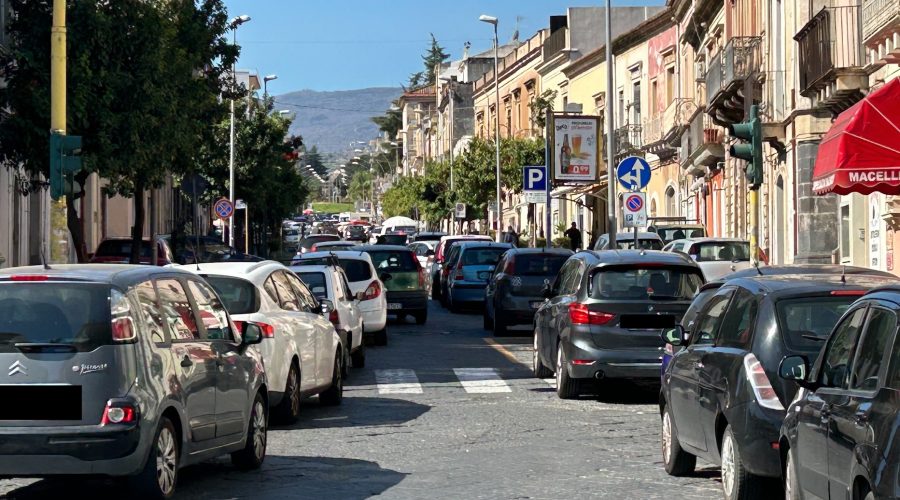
(400, 381)
(481, 380)
(551, 381)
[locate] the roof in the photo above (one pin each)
(117, 274)
(710, 239)
(627, 236)
(540, 250)
(502, 51)
(467, 237)
(483, 244)
(382, 248)
(340, 254)
(801, 283)
(619, 257)
(805, 269)
(239, 269)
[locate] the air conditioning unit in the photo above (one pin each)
(700, 71)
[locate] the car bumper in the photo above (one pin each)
(374, 315)
(756, 429)
(409, 301)
(517, 310)
(612, 363)
(467, 293)
(63, 450)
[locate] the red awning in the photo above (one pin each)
(861, 151)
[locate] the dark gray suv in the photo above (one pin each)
(124, 371)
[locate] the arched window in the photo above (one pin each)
(671, 205)
(653, 207)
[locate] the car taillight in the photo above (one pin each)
(848, 293)
(459, 272)
(421, 277)
(268, 331)
(122, 325)
(118, 414)
(510, 265)
(759, 381)
(333, 317)
(373, 291)
(579, 314)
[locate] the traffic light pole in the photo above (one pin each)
(750, 131)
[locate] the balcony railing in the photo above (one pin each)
(658, 127)
(878, 14)
(737, 61)
(713, 75)
(555, 43)
(627, 139)
(830, 41)
(702, 132)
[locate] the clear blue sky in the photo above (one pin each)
(350, 44)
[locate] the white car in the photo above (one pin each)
(424, 251)
(715, 256)
(328, 282)
(302, 352)
(292, 236)
(363, 279)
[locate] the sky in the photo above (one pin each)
(352, 44)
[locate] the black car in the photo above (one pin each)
(604, 313)
(427, 236)
(124, 371)
(721, 399)
(840, 436)
(516, 288)
(307, 243)
(357, 232)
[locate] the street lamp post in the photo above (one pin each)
(266, 80)
(234, 23)
(494, 21)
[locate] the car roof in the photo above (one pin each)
(541, 250)
(625, 257)
(382, 248)
(249, 270)
(641, 235)
(482, 237)
(801, 283)
(122, 275)
(483, 244)
(312, 269)
(807, 269)
(340, 254)
(710, 239)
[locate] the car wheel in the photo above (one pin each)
(791, 481)
(335, 392)
(435, 291)
(537, 366)
(737, 483)
(381, 337)
(499, 327)
(288, 409)
(566, 386)
(676, 461)
(160, 473)
(487, 323)
(358, 358)
(254, 452)
(421, 317)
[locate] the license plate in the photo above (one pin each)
(536, 305)
(41, 402)
(395, 306)
(484, 275)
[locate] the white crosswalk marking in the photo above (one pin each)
(481, 380)
(399, 381)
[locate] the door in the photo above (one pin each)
(684, 383)
(559, 305)
(195, 361)
(308, 326)
(290, 305)
(849, 426)
(811, 453)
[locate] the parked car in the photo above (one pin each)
(357, 233)
(208, 248)
(839, 438)
(424, 251)
(330, 246)
(366, 286)
(471, 272)
(291, 237)
(137, 371)
(301, 348)
(118, 251)
(440, 255)
(675, 228)
(433, 236)
(307, 243)
(515, 290)
(329, 283)
(626, 241)
(721, 399)
(392, 238)
(404, 279)
(604, 313)
(715, 256)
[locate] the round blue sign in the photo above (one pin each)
(223, 208)
(633, 173)
(634, 203)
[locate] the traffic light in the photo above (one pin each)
(65, 160)
(751, 151)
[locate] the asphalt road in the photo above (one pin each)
(445, 411)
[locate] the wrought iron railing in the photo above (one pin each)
(739, 59)
(876, 14)
(829, 41)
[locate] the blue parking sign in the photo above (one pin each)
(534, 178)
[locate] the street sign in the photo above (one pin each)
(534, 178)
(535, 196)
(460, 210)
(223, 208)
(240, 205)
(633, 173)
(635, 210)
(576, 148)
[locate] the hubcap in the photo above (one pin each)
(294, 393)
(667, 437)
(728, 472)
(259, 430)
(166, 461)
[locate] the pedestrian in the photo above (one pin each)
(512, 237)
(574, 235)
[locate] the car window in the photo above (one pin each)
(485, 256)
(642, 244)
(239, 295)
(177, 310)
(839, 351)
(573, 280)
(392, 261)
(304, 298)
(316, 283)
(721, 251)
(710, 318)
(877, 337)
(638, 282)
(737, 326)
(561, 277)
(287, 300)
(806, 322)
(151, 312)
(538, 264)
(212, 312)
(357, 270)
(347, 292)
(269, 287)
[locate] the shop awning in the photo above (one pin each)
(861, 151)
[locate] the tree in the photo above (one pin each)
(433, 59)
(416, 80)
(540, 106)
(391, 121)
(475, 169)
(360, 187)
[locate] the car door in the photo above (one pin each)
(490, 290)
(353, 325)
(320, 329)
(195, 361)
(850, 433)
(684, 381)
(812, 419)
(559, 305)
(232, 377)
(302, 332)
(543, 314)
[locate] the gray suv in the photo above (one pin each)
(124, 371)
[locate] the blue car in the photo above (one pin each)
(471, 271)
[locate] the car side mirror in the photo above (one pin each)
(386, 277)
(325, 307)
(795, 368)
(675, 335)
(251, 334)
(547, 291)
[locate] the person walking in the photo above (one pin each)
(574, 235)
(512, 237)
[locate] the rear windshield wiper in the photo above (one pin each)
(44, 347)
(813, 338)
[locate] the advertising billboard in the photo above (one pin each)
(576, 148)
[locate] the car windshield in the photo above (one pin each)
(678, 233)
(807, 322)
(312, 240)
(121, 248)
(643, 244)
(316, 283)
(392, 239)
(721, 251)
(394, 261)
(238, 295)
(540, 264)
(356, 270)
(484, 256)
(645, 283)
(55, 313)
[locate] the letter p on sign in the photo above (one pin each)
(535, 178)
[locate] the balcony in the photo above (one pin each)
(662, 132)
(881, 31)
(831, 59)
(737, 63)
(701, 146)
(627, 140)
(555, 43)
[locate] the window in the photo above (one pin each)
(308, 303)
(151, 312)
(806, 322)
(269, 287)
(482, 256)
(538, 264)
(633, 282)
(400, 260)
(878, 336)
(239, 295)
(561, 277)
(653, 98)
(212, 313)
(670, 84)
(177, 310)
(723, 251)
(636, 102)
(316, 283)
(708, 321)
(671, 204)
(835, 366)
(347, 292)
(357, 270)
(286, 298)
(737, 327)
(573, 279)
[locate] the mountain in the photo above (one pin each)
(334, 120)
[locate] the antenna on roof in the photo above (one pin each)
(44, 260)
(843, 274)
(758, 270)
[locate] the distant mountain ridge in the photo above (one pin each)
(333, 120)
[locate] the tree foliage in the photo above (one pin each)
(432, 59)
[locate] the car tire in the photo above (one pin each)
(499, 327)
(421, 317)
(435, 290)
(254, 452)
(335, 392)
(566, 386)
(358, 358)
(676, 461)
(537, 366)
(381, 337)
(159, 476)
(737, 483)
(487, 323)
(791, 481)
(288, 410)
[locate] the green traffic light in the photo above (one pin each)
(751, 151)
(65, 160)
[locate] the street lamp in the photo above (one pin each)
(494, 21)
(234, 23)
(266, 80)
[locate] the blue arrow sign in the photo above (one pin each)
(633, 173)
(534, 178)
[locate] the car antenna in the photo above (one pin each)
(844, 274)
(758, 270)
(44, 260)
